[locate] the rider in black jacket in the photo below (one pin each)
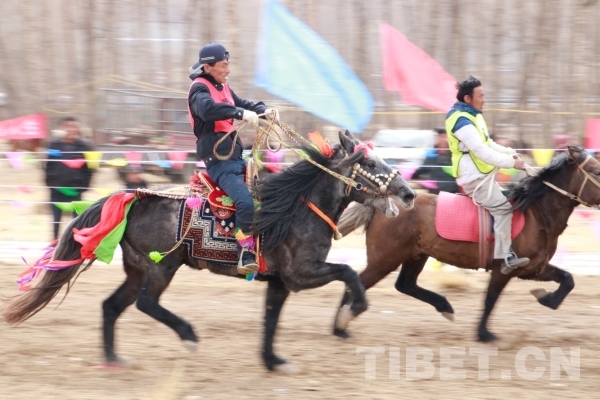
(212, 107)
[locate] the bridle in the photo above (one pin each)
(588, 177)
(379, 182)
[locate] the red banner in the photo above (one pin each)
(34, 126)
(592, 133)
(420, 79)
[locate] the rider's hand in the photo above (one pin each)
(519, 164)
(250, 116)
(272, 113)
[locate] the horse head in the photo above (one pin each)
(587, 186)
(378, 183)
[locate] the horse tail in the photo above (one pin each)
(20, 308)
(354, 217)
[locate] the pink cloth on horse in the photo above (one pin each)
(456, 218)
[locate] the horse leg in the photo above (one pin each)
(369, 277)
(276, 296)
(112, 308)
(497, 283)
(552, 273)
(407, 284)
(154, 284)
(319, 273)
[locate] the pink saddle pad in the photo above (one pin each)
(456, 218)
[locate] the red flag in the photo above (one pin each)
(420, 79)
(34, 126)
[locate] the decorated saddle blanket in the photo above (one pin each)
(458, 218)
(211, 235)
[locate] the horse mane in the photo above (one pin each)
(281, 194)
(531, 188)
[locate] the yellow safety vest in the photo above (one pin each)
(453, 141)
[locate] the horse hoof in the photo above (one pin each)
(120, 362)
(487, 337)
(448, 316)
(538, 293)
(344, 317)
(286, 368)
(190, 346)
(341, 333)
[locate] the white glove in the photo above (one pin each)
(250, 116)
(272, 113)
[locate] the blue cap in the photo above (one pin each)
(211, 53)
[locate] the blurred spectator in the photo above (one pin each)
(134, 179)
(66, 180)
(432, 170)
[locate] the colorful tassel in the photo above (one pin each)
(156, 256)
(194, 202)
(320, 143)
(250, 277)
(365, 146)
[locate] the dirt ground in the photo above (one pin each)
(53, 355)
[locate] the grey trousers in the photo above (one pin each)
(500, 208)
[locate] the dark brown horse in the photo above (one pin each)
(411, 238)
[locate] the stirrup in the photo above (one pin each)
(506, 267)
(245, 269)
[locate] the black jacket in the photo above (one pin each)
(59, 174)
(205, 111)
(432, 170)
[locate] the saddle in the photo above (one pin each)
(201, 183)
(458, 218)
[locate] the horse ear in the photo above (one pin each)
(347, 141)
(576, 151)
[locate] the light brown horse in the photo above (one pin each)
(411, 238)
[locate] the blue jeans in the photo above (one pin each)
(229, 175)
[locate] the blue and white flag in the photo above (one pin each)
(296, 64)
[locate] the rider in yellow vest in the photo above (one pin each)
(474, 157)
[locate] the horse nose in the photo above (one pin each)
(408, 196)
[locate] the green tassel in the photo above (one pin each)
(156, 256)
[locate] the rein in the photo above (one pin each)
(577, 197)
(372, 180)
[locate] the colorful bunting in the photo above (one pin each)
(75, 164)
(542, 156)
(24, 189)
(177, 158)
(15, 159)
(166, 164)
(117, 162)
(595, 228)
(104, 191)
(30, 159)
(54, 153)
(134, 158)
(407, 172)
(81, 206)
(68, 191)
(429, 184)
(585, 214)
(66, 207)
(93, 159)
(447, 169)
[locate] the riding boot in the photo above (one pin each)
(512, 262)
(247, 253)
